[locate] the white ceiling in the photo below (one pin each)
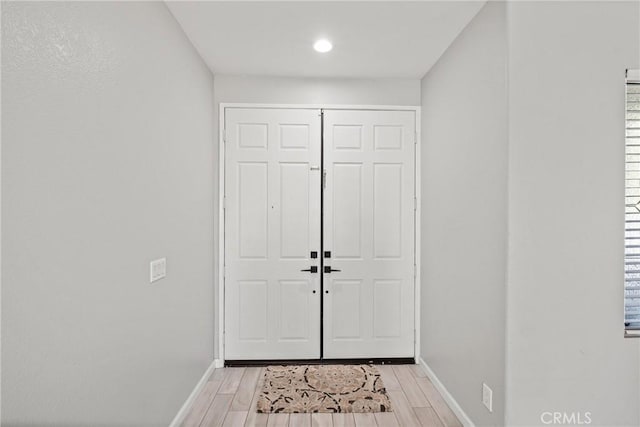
(371, 39)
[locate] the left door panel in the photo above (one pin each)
(272, 224)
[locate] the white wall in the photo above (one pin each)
(323, 91)
(566, 175)
(464, 215)
(564, 345)
(283, 90)
(107, 144)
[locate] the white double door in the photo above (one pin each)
(319, 234)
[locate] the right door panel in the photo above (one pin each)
(369, 223)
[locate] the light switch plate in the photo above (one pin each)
(487, 397)
(157, 269)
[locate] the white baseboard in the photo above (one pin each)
(184, 410)
(455, 407)
(219, 363)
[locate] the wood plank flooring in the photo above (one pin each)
(230, 396)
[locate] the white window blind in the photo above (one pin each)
(632, 205)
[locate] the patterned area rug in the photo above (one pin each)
(323, 388)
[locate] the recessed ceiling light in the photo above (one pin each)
(323, 46)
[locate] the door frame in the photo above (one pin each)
(220, 226)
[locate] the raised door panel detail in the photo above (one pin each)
(294, 137)
(369, 223)
(347, 295)
(347, 137)
(294, 310)
(252, 135)
(272, 221)
(387, 137)
(387, 308)
(253, 210)
(387, 214)
(252, 310)
(294, 210)
(347, 210)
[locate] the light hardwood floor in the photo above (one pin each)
(229, 399)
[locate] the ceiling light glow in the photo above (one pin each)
(323, 46)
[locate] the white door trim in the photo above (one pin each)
(221, 201)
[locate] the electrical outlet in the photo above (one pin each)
(487, 397)
(158, 269)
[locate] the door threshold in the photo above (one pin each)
(361, 361)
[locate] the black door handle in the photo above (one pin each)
(328, 269)
(312, 269)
